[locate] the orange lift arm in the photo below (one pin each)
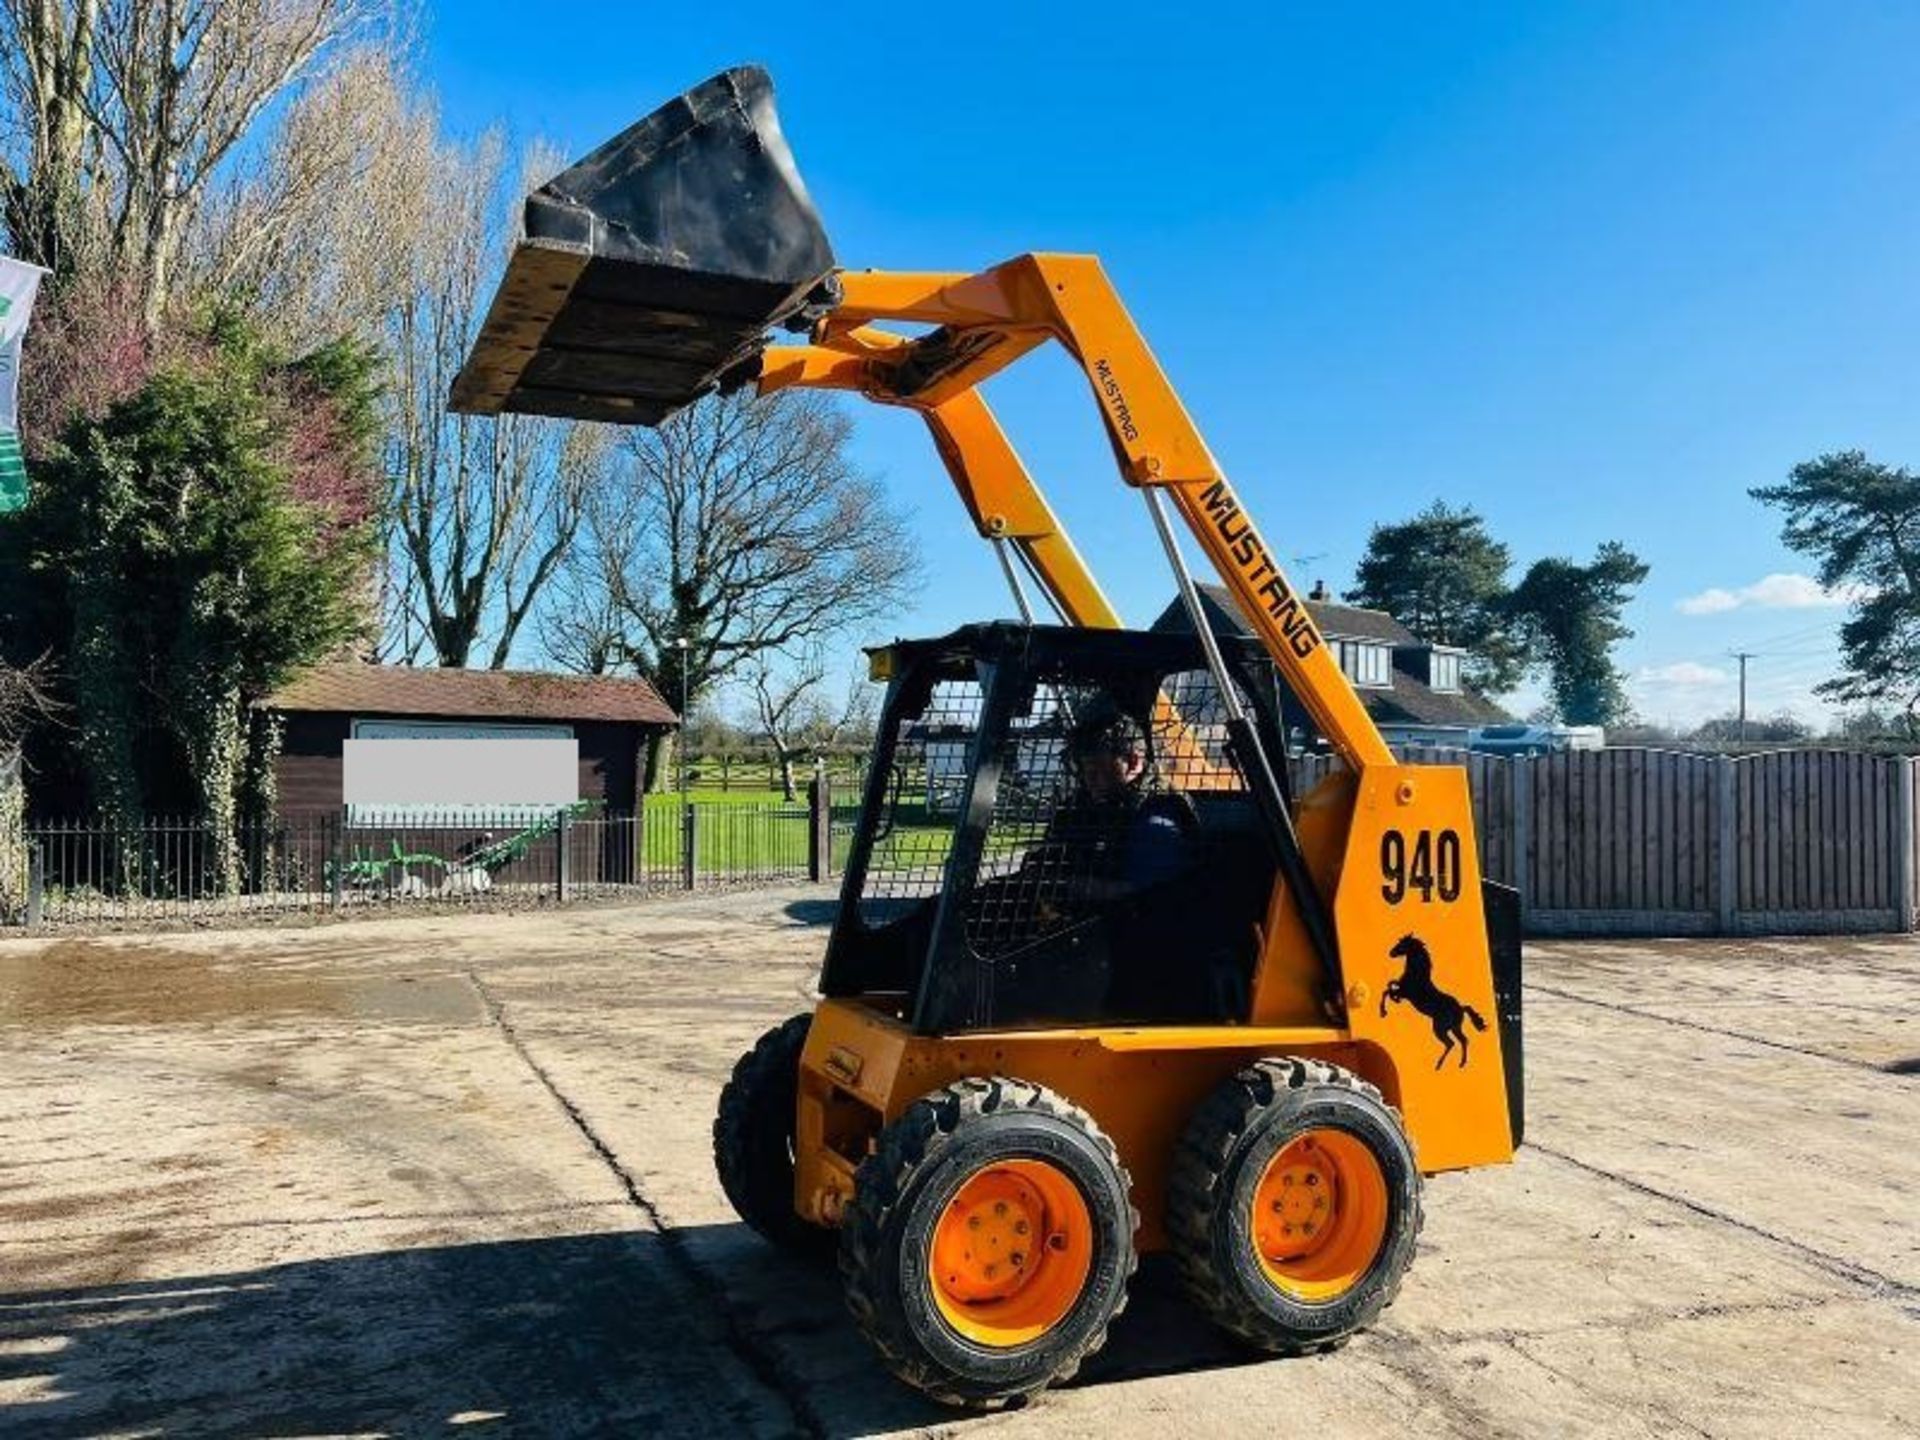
(987, 321)
(1006, 505)
(997, 489)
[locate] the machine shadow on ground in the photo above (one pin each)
(813, 912)
(570, 1335)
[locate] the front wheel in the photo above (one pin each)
(753, 1142)
(989, 1241)
(1294, 1205)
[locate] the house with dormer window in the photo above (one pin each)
(1413, 689)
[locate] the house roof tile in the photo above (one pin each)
(1410, 701)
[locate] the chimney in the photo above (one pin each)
(1320, 592)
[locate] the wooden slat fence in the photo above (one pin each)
(1661, 842)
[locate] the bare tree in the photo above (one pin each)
(126, 110)
(744, 528)
(483, 511)
(184, 83)
(26, 697)
(580, 624)
(314, 230)
(793, 713)
(47, 80)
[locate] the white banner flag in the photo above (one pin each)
(19, 283)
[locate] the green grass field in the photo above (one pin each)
(738, 832)
(742, 833)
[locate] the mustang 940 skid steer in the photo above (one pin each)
(1100, 983)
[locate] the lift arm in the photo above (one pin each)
(987, 321)
(999, 493)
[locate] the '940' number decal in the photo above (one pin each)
(1430, 864)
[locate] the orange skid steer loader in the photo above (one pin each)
(1100, 983)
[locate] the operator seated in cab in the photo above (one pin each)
(1117, 835)
(1111, 837)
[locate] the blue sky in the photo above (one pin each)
(1595, 270)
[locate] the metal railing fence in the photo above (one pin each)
(94, 871)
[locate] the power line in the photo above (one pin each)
(1799, 634)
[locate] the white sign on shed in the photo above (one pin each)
(401, 771)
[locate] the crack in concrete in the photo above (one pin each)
(1708, 1029)
(1654, 1315)
(1579, 1382)
(764, 1366)
(1872, 1281)
(1400, 1353)
(373, 1217)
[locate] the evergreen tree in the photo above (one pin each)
(1860, 520)
(1568, 615)
(1445, 578)
(176, 572)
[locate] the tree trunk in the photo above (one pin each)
(44, 207)
(660, 756)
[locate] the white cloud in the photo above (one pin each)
(1682, 672)
(1771, 592)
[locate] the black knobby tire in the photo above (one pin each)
(753, 1139)
(1217, 1170)
(902, 1188)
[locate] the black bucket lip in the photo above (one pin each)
(672, 248)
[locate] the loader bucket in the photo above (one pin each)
(653, 268)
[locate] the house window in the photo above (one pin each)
(1446, 671)
(1365, 664)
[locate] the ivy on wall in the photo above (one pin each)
(13, 838)
(180, 567)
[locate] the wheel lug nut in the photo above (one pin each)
(1019, 1227)
(973, 1222)
(1313, 1179)
(1057, 1241)
(1278, 1207)
(999, 1207)
(1019, 1259)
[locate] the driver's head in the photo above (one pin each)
(1108, 752)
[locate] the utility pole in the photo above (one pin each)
(1743, 656)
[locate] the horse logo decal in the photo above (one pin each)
(1415, 987)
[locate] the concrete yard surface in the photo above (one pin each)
(436, 1174)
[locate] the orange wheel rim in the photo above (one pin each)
(1320, 1215)
(1011, 1252)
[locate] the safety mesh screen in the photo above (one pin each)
(1189, 732)
(932, 760)
(1076, 829)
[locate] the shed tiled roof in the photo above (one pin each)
(353, 688)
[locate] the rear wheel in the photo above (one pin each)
(989, 1241)
(753, 1138)
(1294, 1205)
